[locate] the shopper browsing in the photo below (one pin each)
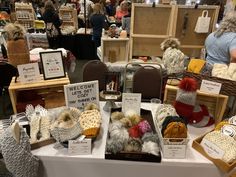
(221, 44)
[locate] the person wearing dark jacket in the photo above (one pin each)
(98, 22)
(53, 23)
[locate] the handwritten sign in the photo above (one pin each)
(80, 147)
(29, 72)
(210, 87)
(212, 150)
(131, 101)
(80, 94)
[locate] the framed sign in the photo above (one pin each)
(52, 64)
(112, 83)
(29, 72)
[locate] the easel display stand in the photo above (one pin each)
(151, 25)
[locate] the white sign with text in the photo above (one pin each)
(80, 94)
(210, 87)
(29, 73)
(212, 150)
(80, 147)
(131, 102)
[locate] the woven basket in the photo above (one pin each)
(228, 86)
(18, 52)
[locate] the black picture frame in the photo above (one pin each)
(52, 65)
(112, 83)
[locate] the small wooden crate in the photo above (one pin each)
(215, 103)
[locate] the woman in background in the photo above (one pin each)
(221, 44)
(122, 11)
(53, 23)
(98, 22)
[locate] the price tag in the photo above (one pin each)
(232, 120)
(174, 151)
(210, 87)
(212, 150)
(77, 147)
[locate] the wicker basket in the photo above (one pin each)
(228, 86)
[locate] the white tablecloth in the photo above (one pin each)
(58, 163)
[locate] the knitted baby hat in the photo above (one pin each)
(186, 97)
(201, 117)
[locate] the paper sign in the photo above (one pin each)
(131, 102)
(80, 94)
(174, 151)
(212, 150)
(80, 147)
(210, 87)
(29, 72)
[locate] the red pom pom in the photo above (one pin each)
(134, 132)
(188, 84)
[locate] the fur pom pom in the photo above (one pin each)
(15, 31)
(133, 145)
(117, 116)
(170, 42)
(91, 106)
(150, 137)
(188, 84)
(114, 146)
(150, 147)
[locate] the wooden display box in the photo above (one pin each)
(223, 166)
(114, 49)
(68, 16)
(51, 90)
(215, 103)
(136, 156)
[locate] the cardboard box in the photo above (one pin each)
(223, 166)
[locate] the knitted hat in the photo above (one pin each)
(201, 117)
(186, 97)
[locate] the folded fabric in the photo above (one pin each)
(18, 158)
(225, 143)
(232, 71)
(196, 65)
(220, 70)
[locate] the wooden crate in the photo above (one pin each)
(68, 16)
(114, 49)
(150, 26)
(215, 103)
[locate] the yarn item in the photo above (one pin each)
(39, 125)
(75, 112)
(175, 130)
(18, 157)
(135, 119)
(224, 142)
(114, 146)
(186, 97)
(229, 130)
(144, 126)
(120, 134)
(114, 125)
(135, 132)
(150, 137)
(91, 106)
(201, 117)
(133, 145)
(117, 116)
(151, 148)
(221, 124)
(126, 122)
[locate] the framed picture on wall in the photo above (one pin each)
(52, 64)
(112, 83)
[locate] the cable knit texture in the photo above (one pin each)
(18, 157)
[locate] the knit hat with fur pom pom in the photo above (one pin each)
(186, 97)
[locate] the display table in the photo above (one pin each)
(53, 89)
(58, 163)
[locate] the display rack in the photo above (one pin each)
(25, 14)
(114, 49)
(151, 25)
(68, 15)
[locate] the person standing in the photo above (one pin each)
(53, 23)
(98, 22)
(221, 44)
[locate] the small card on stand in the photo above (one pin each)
(131, 102)
(77, 147)
(29, 73)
